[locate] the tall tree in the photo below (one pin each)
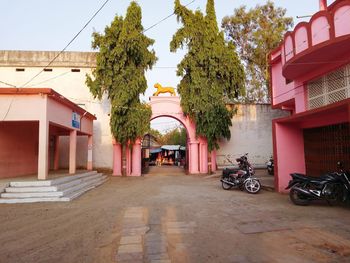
(122, 60)
(211, 72)
(255, 33)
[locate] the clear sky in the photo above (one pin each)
(51, 24)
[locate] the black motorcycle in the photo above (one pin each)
(333, 187)
(241, 177)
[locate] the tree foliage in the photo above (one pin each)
(255, 33)
(122, 60)
(211, 72)
(177, 136)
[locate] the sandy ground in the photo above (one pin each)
(196, 219)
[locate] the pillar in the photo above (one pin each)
(194, 164)
(289, 154)
(213, 160)
(43, 156)
(128, 160)
(89, 157)
(203, 156)
(56, 153)
(72, 152)
(136, 158)
(117, 159)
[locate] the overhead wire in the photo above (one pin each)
(70, 42)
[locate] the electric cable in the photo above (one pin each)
(70, 42)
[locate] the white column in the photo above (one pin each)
(43, 158)
(72, 152)
(89, 158)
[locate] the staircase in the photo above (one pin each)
(62, 189)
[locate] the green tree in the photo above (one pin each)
(122, 60)
(211, 72)
(255, 33)
(177, 136)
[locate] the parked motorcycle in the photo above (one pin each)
(270, 166)
(333, 187)
(242, 177)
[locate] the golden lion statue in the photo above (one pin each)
(161, 89)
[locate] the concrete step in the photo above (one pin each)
(69, 190)
(29, 200)
(58, 187)
(81, 183)
(74, 195)
(52, 181)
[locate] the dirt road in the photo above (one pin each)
(173, 218)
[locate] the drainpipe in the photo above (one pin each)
(323, 5)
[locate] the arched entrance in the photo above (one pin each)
(168, 106)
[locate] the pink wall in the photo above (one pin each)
(301, 39)
(289, 153)
(280, 90)
(320, 30)
(288, 48)
(19, 148)
(342, 21)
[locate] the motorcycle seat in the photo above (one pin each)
(323, 177)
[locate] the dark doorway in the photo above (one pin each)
(325, 146)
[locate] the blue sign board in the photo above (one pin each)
(76, 120)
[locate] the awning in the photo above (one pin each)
(155, 150)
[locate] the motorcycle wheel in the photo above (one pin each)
(337, 195)
(226, 186)
(297, 198)
(252, 186)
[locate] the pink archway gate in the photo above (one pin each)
(197, 146)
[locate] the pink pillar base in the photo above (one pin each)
(136, 158)
(203, 156)
(194, 165)
(128, 160)
(213, 161)
(117, 159)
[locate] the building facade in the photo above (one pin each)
(251, 130)
(310, 77)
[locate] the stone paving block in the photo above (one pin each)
(180, 231)
(175, 224)
(129, 257)
(155, 237)
(125, 240)
(134, 248)
(158, 256)
(134, 231)
(157, 243)
(156, 250)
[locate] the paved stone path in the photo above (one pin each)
(157, 244)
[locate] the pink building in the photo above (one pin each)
(310, 77)
(32, 120)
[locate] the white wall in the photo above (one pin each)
(251, 133)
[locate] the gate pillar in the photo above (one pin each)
(117, 159)
(136, 158)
